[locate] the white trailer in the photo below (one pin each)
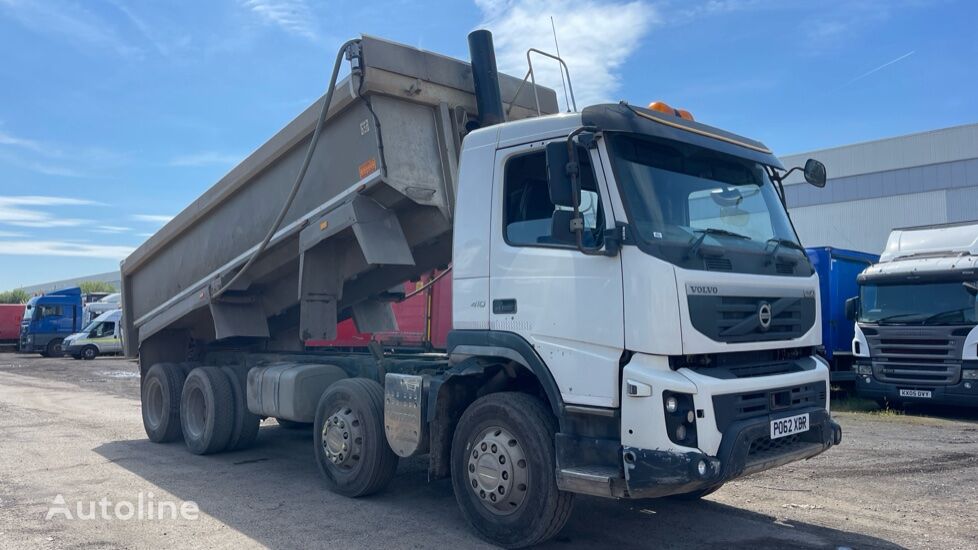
(632, 313)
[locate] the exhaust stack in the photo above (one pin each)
(486, 78)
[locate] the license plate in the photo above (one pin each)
(789, 426)
(924, 394)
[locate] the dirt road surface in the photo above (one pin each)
(73, 428)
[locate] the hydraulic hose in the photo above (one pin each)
(302, 171)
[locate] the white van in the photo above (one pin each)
(103, 305)
(102, 336)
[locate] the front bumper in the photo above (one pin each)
(73, 349)
(962, 394)
(746, 449)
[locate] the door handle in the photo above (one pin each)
(502, 307)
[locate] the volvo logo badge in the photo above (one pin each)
(764, 315)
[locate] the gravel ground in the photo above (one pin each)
(73, 428)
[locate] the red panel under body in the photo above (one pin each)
(10, 315)
(423, 321)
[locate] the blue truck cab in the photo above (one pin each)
(837, 270)
(48, 319)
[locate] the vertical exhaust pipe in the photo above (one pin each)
(486, 78)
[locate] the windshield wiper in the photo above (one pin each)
(943, 313)
(895, 316)
(695, 244)
(778, 243)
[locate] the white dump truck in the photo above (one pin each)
(916, 339)
(633, 315)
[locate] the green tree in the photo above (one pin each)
(17, 296)
(88, 287)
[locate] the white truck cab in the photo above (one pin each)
(916, 339)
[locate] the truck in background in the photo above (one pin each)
(632, 313)
(103, 304)
(48, 319)
(102, 336)
(837, 270)
(915, 338)
(10, 316)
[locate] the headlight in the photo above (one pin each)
(864, 369)
(969, 374)
(680, 418)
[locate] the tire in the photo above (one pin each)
(207, 410)
(292, 424)
(245, 429)
(531, 509)
(160, 402)
(362, 463)
(54, 348)
(89, 352)
(696, 495)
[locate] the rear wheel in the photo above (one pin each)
(503, 470)
(246, 424)
(207, 410)
(350, 445)
(160, 401)
(89, 352)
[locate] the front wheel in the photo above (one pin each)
(503, 470)
(89, 353)
(54, 348)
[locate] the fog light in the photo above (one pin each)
(864, 369)
(681, 433)
(701, 468)
(690, 417)
(967, 385)
(868, 380)
(671, 404)
(969, 374)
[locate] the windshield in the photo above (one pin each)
(678, 194)
(921, 304)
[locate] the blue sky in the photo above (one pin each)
(115, 114)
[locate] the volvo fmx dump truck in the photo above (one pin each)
(916, 339)
(633, 315)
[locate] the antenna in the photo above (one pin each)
(563, 84)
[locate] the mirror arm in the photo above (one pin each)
(574, 171)
(779, 180)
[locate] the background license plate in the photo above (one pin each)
(789, 426)
(915, 393)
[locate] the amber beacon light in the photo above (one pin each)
(663, 107)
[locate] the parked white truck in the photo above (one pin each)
(633, 315)
(916, 339)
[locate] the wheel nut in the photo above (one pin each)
(482, 493)
(505, 475)
(493, 447)
(502, 490)
(483, 447)
(502, 459)
(492, 497)
(472, 468)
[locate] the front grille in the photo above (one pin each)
(916, 355)
(717, 264)
(767, 446)
(734, 319)
(785, 268)
(734, 407)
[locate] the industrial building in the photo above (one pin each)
(111, 277)
(873, 187)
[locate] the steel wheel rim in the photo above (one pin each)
(196, 413)
(498, 472)
(342, 438)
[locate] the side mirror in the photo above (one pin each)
(815, 173)
(558, 180)
(852, 307)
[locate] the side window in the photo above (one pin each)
(105, 329)
(528, 214)
(50, 311)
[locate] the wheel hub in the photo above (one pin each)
(497, 470)
(343, 438)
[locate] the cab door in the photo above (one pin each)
(568, 305)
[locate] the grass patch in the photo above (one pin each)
(863, 405)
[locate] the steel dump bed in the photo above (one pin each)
(375, 209)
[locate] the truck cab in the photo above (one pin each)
(102, 336)
(48, 319)
(915, 318)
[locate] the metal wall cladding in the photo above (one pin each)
(738, 319)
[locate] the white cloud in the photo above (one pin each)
(11, 235)
(293, 16)
(28, 211)
(595, 36)
(151, 218)
(204, 159)
(7, 139)
(70, 20)
(58, 248)
(111, 229)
